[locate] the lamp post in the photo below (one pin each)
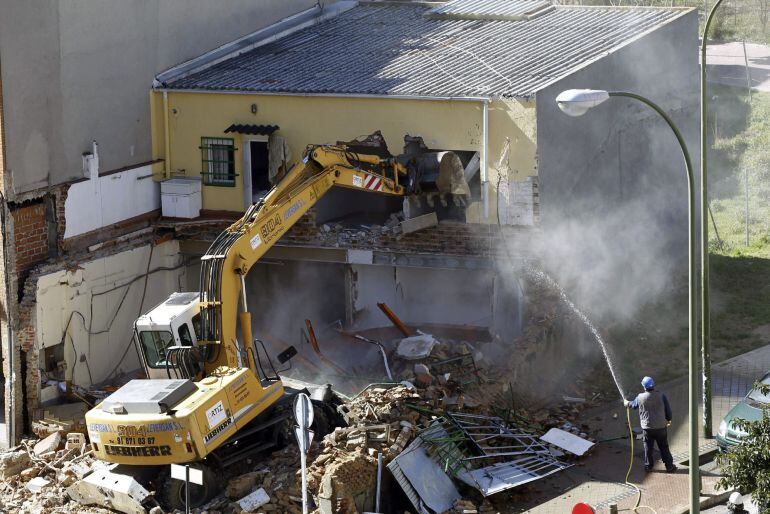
(576, 102)
(704, 227)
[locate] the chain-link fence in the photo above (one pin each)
(739, 170)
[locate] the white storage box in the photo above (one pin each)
(181, 197)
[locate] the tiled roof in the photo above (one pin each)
(395, 49)
(254, 130)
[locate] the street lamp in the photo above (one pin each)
(704, 227)
(576, 102)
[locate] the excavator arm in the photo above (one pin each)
(239, 247)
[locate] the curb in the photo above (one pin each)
(708, 501)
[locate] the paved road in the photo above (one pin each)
(727, 65)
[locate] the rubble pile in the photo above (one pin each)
(383, 405)
(275, 476)
(36, 474)
(437, 382)
(342, 467)
(337, 234)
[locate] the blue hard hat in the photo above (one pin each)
(648, 383)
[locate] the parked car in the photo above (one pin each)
(750, 409)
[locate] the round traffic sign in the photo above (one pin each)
(303, 410)
(582, 508)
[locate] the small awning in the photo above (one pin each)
(254, 130)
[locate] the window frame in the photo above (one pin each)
(159, 364)
(211, 163)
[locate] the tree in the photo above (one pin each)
(746, 467)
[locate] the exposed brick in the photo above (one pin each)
(30, 233)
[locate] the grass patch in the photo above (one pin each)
(739, 131)
(739, 172)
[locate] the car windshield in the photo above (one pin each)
(757, 395)
(154, 344)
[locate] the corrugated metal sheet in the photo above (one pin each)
(394, 50)
(488, 9)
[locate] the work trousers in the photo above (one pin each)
(659, 436)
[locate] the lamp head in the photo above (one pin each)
(576, 102)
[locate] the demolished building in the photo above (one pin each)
(473, 89)
(87, 256)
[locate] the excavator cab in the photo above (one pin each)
(167, 337)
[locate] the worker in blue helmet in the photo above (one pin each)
(655, 418)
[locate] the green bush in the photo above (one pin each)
(746, 467)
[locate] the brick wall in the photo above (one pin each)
(61, 221)
(30, 232)
(25, 338)
(447, 238)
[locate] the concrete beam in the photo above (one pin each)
(197, 248)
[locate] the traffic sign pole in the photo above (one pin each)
(303, 413)
(303, 462)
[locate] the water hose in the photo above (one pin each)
(631, 465)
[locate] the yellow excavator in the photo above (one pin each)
(212, 397)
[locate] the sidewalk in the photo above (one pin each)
(598, 479)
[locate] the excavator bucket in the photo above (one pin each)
(441, 172)
(451, 176)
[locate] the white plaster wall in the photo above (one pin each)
(62, 293)
(102, 201)
(78, 70)
(423, 295)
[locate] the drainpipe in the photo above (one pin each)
(484, 153)
(166, 136)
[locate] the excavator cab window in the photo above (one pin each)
(154, 345)
(196, 324)
(184, 335)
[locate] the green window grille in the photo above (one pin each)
(218, 159)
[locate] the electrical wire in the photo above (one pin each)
(88, 326)
(141, 306)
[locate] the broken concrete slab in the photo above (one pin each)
(240, 486)
(567, 441)
(416, 347)
(254, 500)
(13, 463)
(419, 223)
(47, 445)
(37, 484)
(110, 488)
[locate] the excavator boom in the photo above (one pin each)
(182, 420)
(231, 255)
